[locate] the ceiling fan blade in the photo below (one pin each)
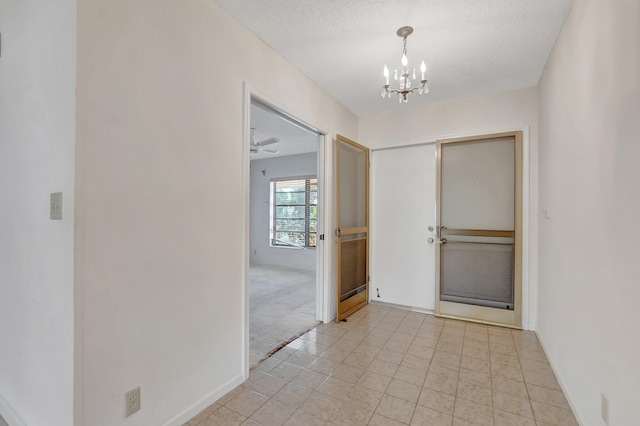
(270, 151)
(268, 141)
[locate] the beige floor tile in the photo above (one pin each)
(389, 355)
(364, 397)
(286, 371)
(349, 414)
(201, 416)
(246, 402)
(548, 396)
(300, 418)
(404, 390)
(310, 379)
(475, 364)
(536, 366)
(510, 360)
(359, 360)
(478, 378)
(553, 415)
(335, 354)
(411, 375)
(390, 367)
(272, 413)
(314, 348)
(473, 411)
(232, 394)
(507, 372)
(323, 366)
(475, 352)
(475, 393)
(424, 416)
(335, 387)
(320, 405)
(223, 417)
(297, 344)
(540, 379)
(383, 367)
(396, 408)
(268, 364)
(437, 401)
(378, 420)
(268, 385)
(512, 404)
(457, 421)
(293, 395)
(374, 381)
(396, 345)
(512, 387)
(440, 383)
(348, 373)
(301, 359)
(503, 418)
(413, 361)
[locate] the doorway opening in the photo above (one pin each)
(285, 204)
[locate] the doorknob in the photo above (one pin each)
(437, 241)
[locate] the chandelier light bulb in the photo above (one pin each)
(423, 68)
(386, 74)
(404, 60)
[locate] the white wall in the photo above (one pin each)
(279, 167)
(516, 110)
(37, 140)
(160, 196)
(589, 181)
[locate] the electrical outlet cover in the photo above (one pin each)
(132, 401)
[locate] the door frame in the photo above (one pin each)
(513, 318)
(323, 251)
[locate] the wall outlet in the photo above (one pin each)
(604, 409)
(132, 401)
(55, 212)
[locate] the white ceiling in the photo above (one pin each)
(470, 47)
(294, 139)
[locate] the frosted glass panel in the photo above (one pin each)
(353, 186)
(478, 274)
(353, 261)
(478, 184)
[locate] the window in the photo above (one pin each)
(294, 212)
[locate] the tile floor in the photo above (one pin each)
(392, 367)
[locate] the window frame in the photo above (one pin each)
(273, 206)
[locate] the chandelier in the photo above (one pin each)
(405, 75)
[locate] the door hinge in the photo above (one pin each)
(368, 279)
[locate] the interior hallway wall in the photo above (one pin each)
(589, 184)
(395, 247)
(160, 198)
(37, 143)
(261, 252)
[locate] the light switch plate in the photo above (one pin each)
(56, 206)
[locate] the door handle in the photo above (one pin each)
(437, 241)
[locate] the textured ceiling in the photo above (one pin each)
(470, 47)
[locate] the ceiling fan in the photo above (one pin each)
(259, 146)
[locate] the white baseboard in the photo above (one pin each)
(207, 400)
(403, 307)
(9, 415)
(562, 384)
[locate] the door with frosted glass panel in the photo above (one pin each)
(479, 200)
(352, 165)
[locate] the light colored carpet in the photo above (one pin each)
(282, 305)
